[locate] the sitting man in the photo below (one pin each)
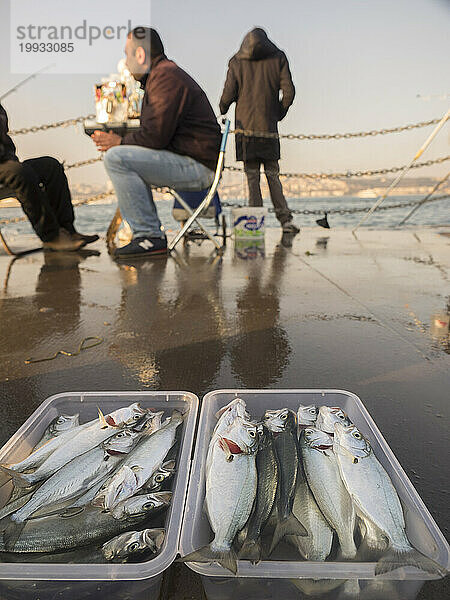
(41, 187)
(177, 144)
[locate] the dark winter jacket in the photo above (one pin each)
(7, 148)
(176, 115)
(256, 74)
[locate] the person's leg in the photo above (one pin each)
(51, 173)
(252, 171)
(272, 172)
(133, 169)
(25, 183)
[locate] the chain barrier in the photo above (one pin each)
(343, 211)
(344, 175)
(66, 123)
(333, 136)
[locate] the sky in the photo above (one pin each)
(356, 64)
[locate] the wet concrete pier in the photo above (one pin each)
(366, 314)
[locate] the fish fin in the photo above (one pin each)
(19, 479)
(98, 501)
(11, 534)
(252, 551)
(102, 419)
(169, 465)
(368, 553)
(395, 559)
(227, 560)
(290, 526)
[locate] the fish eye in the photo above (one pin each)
(134, 546)
(357, 435)
(120, 435)
(159, 478)
(284, 416)
(148, 505)
(252, 433)
(312, 411)
(60, 420)
(341, 416)
(308, 432)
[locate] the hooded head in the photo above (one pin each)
(256, 45)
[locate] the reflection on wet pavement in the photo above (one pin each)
(370, 315)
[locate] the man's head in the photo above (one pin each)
(142, 46)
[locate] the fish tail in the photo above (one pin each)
(11, 534)
(19, 479)
(395, 559)
(289, 526)
(252, 551)
(226, 559)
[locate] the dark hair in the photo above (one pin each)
(147, 38)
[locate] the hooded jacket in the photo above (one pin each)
(7, 147)
(176, 115)
(256, 74)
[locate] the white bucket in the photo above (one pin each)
(249, 222)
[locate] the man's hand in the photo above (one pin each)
(104, 141)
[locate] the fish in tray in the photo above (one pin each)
(62, 449)
(142, 504)
(88, 527)
(330, 415)
(283, 425)
(231, 485)
(267, 469)
(376, 501)
(306, 416)
(323, 476)
(58, 426)
(143, 462)
(132, 543)
(72, 480)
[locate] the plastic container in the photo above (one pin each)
(29, 581)
(249, 222)
(268, 579)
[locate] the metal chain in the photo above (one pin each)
(333, 136)
(83, 163)
(55, 125)
(342, 211)
(345, 175)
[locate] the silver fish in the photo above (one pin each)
(82, 472)
(322, 472)
(283, 425)
(82, 441)
(159, 477)
(377, 501)
(58, 426)
(133, 542)
(317, 544)
(230, 492)
(56, 534)
(150, 453)
(138, 505)
(328, 416)
(306, 416)
(120, 486)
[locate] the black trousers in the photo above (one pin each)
(41, 187)
(272, 172)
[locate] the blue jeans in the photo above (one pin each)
(134, 169)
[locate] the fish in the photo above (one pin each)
(324, 479)
(148, 457)
(133, 542)
(144, 503)
(267, 469)
(120, 486)
(58, 426)
(72, 480)
(306, 416)
(57, 533)
(231, 485)
(85, 439)
(159, 477)
(283, 425)
(376, 500)
(328, 416)
(226, 416)
(317, 544)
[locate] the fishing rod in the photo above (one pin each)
(21, 83)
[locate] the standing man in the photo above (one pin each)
(176, 146)
(41, 187)
(256, 74)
